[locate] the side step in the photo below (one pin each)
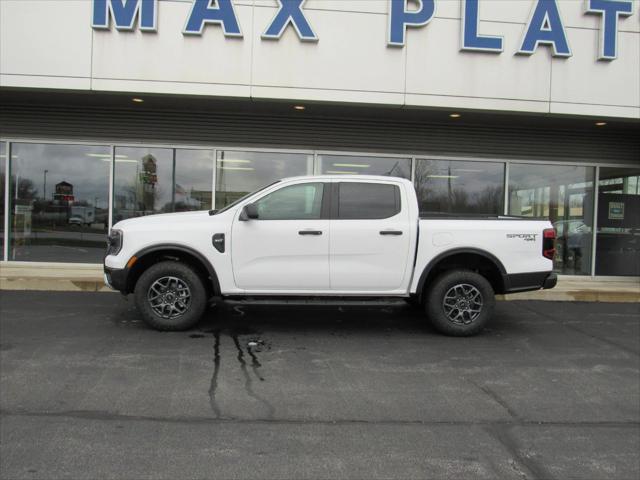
(342, 301)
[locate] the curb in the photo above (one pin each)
(57, 285)
(88, 278)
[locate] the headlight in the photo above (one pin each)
(114, 242)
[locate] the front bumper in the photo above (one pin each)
(116, 279)
(526, 282)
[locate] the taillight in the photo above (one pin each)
(549, 243)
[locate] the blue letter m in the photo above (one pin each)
(124, 13)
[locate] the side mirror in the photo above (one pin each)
(249, 211)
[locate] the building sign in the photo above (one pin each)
(616, 210)
(544, 27)
(64, 192)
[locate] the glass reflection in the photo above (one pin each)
(193, 180)
(3, 159)
(59, 202)
(239, 173)
(143, 182)
(446, 186)
(564, 195)
(364, 165)
(618, 234)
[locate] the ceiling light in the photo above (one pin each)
(225, 160)
(104, 155)
(237, 168)
(351, 165)
(600, 124)
(119, 161)
(442, 176)
(299, 107)
(455, 115)
(341, 172)
(137, 100)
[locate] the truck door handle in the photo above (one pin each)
(310, 232)
(390, 232)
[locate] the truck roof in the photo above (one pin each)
(377, 178)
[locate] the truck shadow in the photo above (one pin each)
(339, 319)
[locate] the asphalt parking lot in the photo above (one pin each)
(550, 390)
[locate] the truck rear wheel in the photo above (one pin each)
(460, 303)
(170, 296)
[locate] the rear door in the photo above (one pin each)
(286, 249)
(370, 237)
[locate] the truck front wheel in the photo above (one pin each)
(460, 303)
(170, 296)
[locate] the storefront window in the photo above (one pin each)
(3, 159)
(459, 187)
(193, 180)
(143, 182)
(59, 202)
(239, 173)
(364, 165)
(618, 233)
(564, 195)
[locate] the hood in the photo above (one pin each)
(168, 219)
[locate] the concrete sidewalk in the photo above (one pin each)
(88, 278)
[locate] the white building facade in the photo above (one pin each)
(118, 108)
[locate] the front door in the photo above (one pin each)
(285, 249)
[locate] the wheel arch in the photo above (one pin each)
(481, 261)
(151, 255)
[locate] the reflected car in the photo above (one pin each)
(78, 221)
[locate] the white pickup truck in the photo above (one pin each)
(328, 236)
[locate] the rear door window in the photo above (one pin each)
(366, 201)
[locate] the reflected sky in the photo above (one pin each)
(460, 187)
(526, 176)
(85, 167)
(364, 165)
(238, 171)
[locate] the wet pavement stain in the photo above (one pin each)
(250, 366)
(216, 372)
(248, 384)
(197, 335)
(255, 363)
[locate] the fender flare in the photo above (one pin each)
(215, 283)
(449, 253)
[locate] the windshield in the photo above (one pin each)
(233, 204)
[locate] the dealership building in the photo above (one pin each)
(112, 109)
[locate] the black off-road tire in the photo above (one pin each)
(447, 283)
(191, 311)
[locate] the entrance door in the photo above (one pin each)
(285, 249)
(370, 238)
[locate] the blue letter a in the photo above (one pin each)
(545, 27)
(202, 13)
